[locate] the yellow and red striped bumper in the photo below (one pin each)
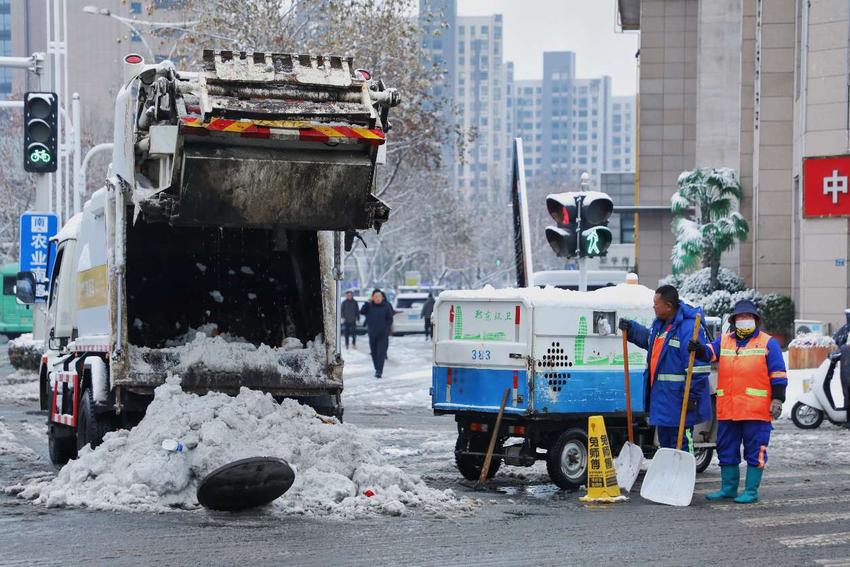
(285, 130)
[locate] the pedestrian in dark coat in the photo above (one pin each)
(427, 311)
(379, 320)
(350, 313)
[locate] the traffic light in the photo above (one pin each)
(584, 214)
(41, 136)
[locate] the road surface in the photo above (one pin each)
(803, 518)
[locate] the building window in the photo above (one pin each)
(627, 228)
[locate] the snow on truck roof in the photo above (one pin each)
(622, 296)
(69, 229)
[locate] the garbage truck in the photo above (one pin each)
(559, 356)
(213, 250)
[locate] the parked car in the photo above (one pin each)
(408, 310)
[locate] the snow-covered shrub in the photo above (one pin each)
(25, 352)
(777, 312)
(717, 304)
(698, 284)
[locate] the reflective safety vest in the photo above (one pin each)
(743, 382)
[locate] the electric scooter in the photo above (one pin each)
(817, 401)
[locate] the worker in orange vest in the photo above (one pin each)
(751, 381)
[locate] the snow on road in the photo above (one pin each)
(406, 380)
(20, 386)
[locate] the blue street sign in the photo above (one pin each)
(36, 231)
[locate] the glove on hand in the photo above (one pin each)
(625, 325)
(775, 408)
(697, 347)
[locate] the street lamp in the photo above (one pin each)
(131, 24)
(95, 11)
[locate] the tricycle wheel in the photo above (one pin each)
(806, 417)
(566, 460)
(703, 457)
(470, 465)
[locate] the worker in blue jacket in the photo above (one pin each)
(666, 342)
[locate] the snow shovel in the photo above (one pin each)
(628, 462)
(672, 474)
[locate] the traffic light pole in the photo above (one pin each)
(582, 261)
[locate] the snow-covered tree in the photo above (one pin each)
(17, 188)
(714, 227)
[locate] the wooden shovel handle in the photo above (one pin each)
(495, 435)
(688, 386)
(628, 386)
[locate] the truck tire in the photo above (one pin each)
(91, 427)
(566, 460)
(61, 444)
(806, 417)
(703, 455)
(470, 465)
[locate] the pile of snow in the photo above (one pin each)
(336, 465)
(811, 340)
(622, 296)
(226, 353)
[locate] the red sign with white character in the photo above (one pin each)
(826, 182)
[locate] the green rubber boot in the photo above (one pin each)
(751, 486)
(730, 477)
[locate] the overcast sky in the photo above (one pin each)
(584, 26)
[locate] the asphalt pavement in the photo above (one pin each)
(803, 517)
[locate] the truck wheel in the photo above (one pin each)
(566, 460)
(470, 465)
(90, 427)
(703, 457)
(61, 444)
(806, 417)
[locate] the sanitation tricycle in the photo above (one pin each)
(559, 354)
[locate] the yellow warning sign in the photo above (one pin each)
(601, 476)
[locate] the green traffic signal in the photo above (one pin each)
(595, 241)
(40, 155)
(41, 131)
